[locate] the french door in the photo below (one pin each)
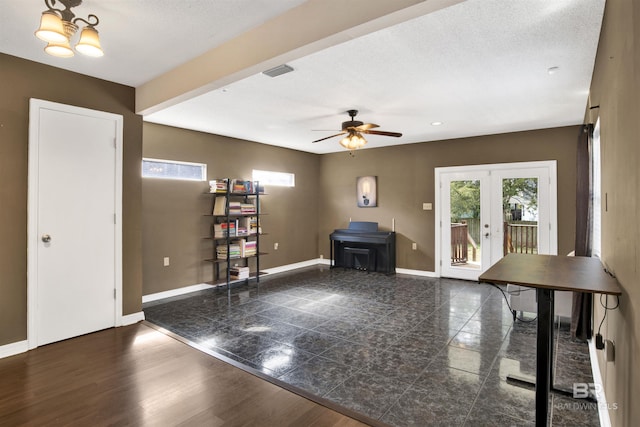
(487, 211)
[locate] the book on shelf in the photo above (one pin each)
(235, 208)
(233, 250)
(241, 186)
(250, 224)
(225, 229)
(218, 185)
(245, 186)
(248, 248)
(247, 208)
(219, 205)
(237, 273)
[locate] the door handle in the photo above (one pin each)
(486, 235)
(46, 238)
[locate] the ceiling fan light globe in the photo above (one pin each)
(51, 28)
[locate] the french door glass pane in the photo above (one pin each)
(465, 224)
(520, 215)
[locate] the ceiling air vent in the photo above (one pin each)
(276, 71)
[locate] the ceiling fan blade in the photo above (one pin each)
(322, 139)
(366, 126)
(382, 132)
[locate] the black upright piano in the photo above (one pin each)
(363, 234)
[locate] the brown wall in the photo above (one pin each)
(615, 88)
(173, 221)
(20, 80)
(406, 180)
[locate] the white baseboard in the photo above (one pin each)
(130, 319)
(14, 348)
(295, 265)
(603, 411)
(175, 292)
(422, 273)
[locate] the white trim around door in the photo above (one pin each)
(496, 171)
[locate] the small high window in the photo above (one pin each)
(282, 179)
(172, 169)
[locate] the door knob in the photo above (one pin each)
(486, 235)
(46, 238)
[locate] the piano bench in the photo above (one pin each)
(350, 253)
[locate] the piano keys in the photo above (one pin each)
(364, 234)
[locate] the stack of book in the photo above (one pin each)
(242, 230)
(241, 186)
(235, 208)
(234, 251)
(224, 229)
(238, 273)
(218, 186)
(248, 248)
(247, 208)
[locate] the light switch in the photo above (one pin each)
(427, 206)
(166, 261)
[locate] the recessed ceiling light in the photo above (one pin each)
(436, 123)
(553, 70)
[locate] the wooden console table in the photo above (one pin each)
(549, 273)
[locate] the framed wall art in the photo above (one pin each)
(367, 191)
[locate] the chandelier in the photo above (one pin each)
(58, 26)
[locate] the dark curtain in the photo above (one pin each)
(581, 315)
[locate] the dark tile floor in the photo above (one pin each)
(406, 350)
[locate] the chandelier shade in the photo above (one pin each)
(58, 26)
(59, 49)
(89, 43)
(51, 28)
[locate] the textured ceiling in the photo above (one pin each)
(479, 67)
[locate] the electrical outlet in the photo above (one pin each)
(321, 256)
(427, 206)
(166, 261)
(275, 246)
(414, 246)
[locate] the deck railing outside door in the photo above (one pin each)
(520, 238)
(459, 243)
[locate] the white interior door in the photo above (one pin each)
(487, 211)
(74, 226)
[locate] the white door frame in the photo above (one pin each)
(551, 165)
(35, 105)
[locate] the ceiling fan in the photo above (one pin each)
(353, 129)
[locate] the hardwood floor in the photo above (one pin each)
(138, 376)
